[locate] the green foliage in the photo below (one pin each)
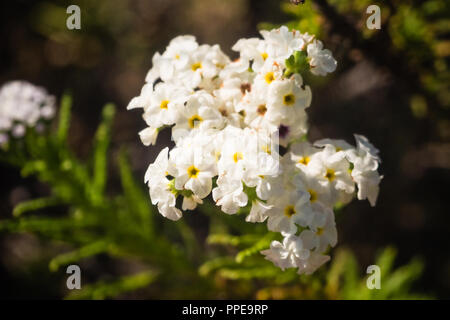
(90, 220)
(297, 63)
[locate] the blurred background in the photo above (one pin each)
(391, 85)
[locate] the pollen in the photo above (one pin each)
(304, 160)
(196, 66)
(264, 55)
(194, 121)
(319, 231)
(330, 175)
(193, 172)
(217, 155)
(312, 195)
(164, 104)
(289, 211)
(262, 109)
(289, 99)
(177, 56)
(266, 149)
(238, 156)
(269, 77)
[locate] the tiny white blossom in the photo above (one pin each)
(321, 60)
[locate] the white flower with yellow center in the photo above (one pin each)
(200, 112)
(239, 152)
(193, 170)
(175, 58)
(281, 43)
(286, 211)
(331, 168)
(301, 153)
(287, 100)
(164, 104)
(323, 230)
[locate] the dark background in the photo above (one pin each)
(372, 93)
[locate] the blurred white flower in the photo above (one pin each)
(321, 60)
(23, 105)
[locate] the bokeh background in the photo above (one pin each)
(391, 85)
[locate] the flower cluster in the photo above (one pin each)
(228, 119)
(23, 105)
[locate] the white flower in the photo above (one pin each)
(258, 212)
(286, 211)
(200, 112)
(281, 43)
(23, 105)
(149, 135)
(191, 202)
(287, 99)
(165, 102)
(175, 58)
(365, 162)
(321, 60)
(143, 99)
(310, 265)
(238, 153)
(161, 192)
(229, 194)
(301, 153)
(193, 170)
(332, 169)
(287, 254)
(228, 120)
(323, 230)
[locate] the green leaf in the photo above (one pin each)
(137, 200)
(261, 244)
(76, 255)
(35, 204)
(64, 118)
(101, 144)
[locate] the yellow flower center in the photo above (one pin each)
(289, 99)
(304, 160)
(164, 104)
(319, 231)
(177, 56)
(269, 77)
(196, 66)
(266, 149)
(312, 195)
(192, 172)
(289, 211)
(264, 55)
(330, 174)
(238, 156)
(217, 155)
(194, 121)
(262, 109)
